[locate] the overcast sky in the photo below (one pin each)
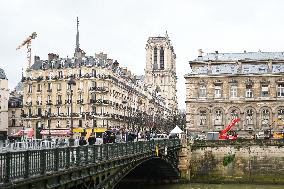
(120, 28)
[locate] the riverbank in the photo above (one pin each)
(198, 186)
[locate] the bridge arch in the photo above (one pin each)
(156, 169)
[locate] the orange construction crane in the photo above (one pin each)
(28, 42)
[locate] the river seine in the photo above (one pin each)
(201, 186)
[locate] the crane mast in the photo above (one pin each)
(28, 42)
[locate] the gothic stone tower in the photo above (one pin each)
(160, 72)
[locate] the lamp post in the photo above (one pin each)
(70, 83)
(48, 121)
(124, 104)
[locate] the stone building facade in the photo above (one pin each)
(15, 122)
(223, 86)
(160, 72)
(4, 97)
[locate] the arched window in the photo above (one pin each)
(234, 114)
(155, 59)
(202, 117)
(265, 117)
(280, 117)
(249, 117)
(162, 58)
(218, 117)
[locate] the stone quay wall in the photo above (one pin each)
(248, 161)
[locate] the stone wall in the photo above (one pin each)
(237, 162)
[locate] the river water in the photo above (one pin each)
(201, 186)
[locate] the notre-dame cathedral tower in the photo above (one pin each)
(160, 72)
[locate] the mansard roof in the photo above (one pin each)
(241, 56)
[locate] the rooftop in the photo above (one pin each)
(2, 74)
(241, 56)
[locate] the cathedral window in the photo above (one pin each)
(155, 59)
(162, 58)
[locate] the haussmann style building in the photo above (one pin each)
(96, 92)
(223, 86)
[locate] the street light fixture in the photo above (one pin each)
(125, 105)
(70, 83)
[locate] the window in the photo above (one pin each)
(81, 85)
(30, 88)
(249, 117)
(265, 117)
(218, 92)
(218, 117)
(162, 58)
(80, 109)
(264, 91)
(68, 111)
(30, 112)
(202, 91)
(203, 117)
(234, 114)
(48, 86)
(93, 72)
(59, 98)
(280, 90)
(155, 55)
(80, 123)
(58, 86)
(249, 93)
(39, 111)
(58, 110)
(234, 91)
(68, 86)
(280, 117)
(38, 87)
(58, 124)
(60, 75)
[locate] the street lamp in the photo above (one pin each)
(48, 122)
(124, 104)
(70, 83)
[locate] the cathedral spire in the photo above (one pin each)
(77, 49)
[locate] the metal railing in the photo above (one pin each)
(16, 165)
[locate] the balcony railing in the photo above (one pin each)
(98, 89)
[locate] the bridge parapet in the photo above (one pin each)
(31, 165)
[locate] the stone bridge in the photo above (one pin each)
(93, 166)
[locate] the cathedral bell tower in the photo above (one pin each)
(160, 72)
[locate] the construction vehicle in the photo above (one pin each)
(28, 42)
(227, 134)
(274, 134)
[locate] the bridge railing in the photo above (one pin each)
(33, 163)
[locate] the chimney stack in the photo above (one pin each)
(200, 52)
(115, 64)
(216, 52)
(52, 56)
(36, 58)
